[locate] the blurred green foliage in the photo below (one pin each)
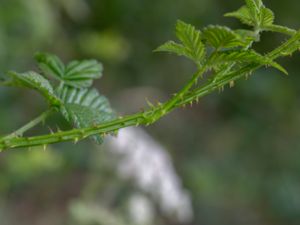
(237, 153)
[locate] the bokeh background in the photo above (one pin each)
(233, 159)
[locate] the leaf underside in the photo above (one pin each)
(85, 108)
(221, 37)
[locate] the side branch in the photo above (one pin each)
(20, 132)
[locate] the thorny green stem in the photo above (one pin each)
(166, 107)
(142, 118)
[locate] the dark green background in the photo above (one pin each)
(237, 153)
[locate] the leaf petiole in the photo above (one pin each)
(40, 119)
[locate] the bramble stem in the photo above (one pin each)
(169, 105)
(185, 89)
(143, 118)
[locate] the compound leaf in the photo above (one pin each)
(191, 44)
(79, 74)
(255, 14)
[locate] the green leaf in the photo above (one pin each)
(37, 82)
(85, 108)
(255, 14)
(79, 74)
(191, 39)
(244, 56)
(178, 49)
(173, 47)
(243, 15)
(82, 73)
(254, 7)
(267, 17)
(50, 65)
(222, 37)
(191, 44)
(257, 3)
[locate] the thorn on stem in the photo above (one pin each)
(149, 103)
(115, 133)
